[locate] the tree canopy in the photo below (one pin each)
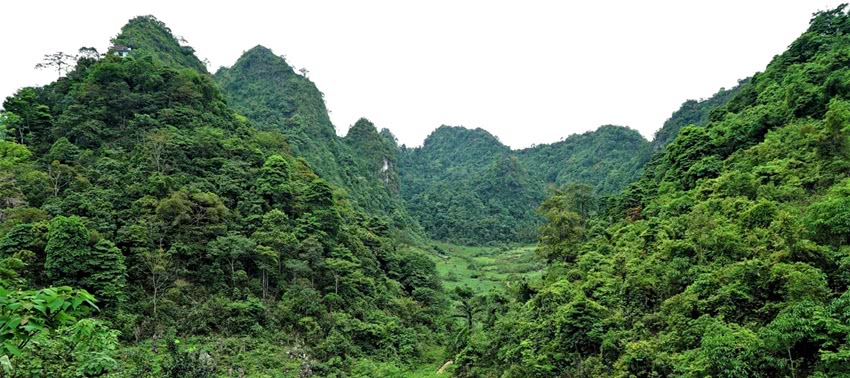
(132, 178)
(160, 221)
(727, 258)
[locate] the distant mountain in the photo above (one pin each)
(448, 184)
(443, 181)
(466, 186)
(607, 159)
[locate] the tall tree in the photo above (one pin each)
(232, 249)
(274, 181)
(159, 271)
(59, 61)
(25, 115)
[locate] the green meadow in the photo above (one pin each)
(485, 268)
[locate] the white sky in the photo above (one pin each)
(527, 71)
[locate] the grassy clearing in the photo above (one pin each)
(484, 268)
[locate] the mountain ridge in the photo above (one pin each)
(132, 179)
(264, 88)
(722, 250)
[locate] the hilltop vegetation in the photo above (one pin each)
(692, 113)
(464, 186)
(149, 36)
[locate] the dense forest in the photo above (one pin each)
(692, 113)
(266, 89)
(158, 220)
(132, 179)
(464, 186)
(728, 258)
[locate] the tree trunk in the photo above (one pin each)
(791, 361)
(265, 283)
(155, 292)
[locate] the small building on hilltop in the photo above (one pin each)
(121, 50)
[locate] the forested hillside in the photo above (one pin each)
(132, 178)
(462, 186)
(606, 159)
(466, 187)
(692, 112)
(728, 258)
(266, 89)
(160, 221)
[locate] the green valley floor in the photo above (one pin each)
(484, 269)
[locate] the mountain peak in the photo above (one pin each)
(362, 126)
(147, 35)
(363, 135)
(259, 50)
(260, 60)
(477, 135)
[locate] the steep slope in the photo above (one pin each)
(265, 89)
(729, 258)
(133, 179)
(467, 187)
(448, 154)
(377, 152)
(692, 112)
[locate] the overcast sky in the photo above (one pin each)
(527, 71)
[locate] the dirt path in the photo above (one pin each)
(445, 365)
